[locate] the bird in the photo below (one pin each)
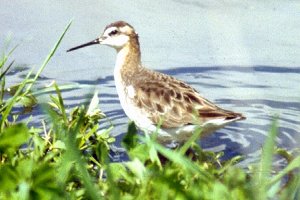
(154, 101)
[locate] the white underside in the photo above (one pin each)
(182, 134)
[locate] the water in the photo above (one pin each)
(244, 56)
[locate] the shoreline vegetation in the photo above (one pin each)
(68, 157)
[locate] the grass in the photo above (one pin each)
(68, 158)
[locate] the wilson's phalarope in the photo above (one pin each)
(150, 98)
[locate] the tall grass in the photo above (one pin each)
(68, 158)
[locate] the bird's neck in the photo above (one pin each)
(128, 61)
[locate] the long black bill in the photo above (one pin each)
(85, 45)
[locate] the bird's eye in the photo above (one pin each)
(114, 32)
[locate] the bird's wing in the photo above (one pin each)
(173, 103)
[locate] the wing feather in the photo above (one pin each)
(174, 102)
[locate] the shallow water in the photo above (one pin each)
(242, 56)
(254, 91)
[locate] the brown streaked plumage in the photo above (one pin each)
(178, 102)
(150, 98)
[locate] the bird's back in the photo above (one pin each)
(174, 103)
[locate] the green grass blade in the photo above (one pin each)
(49, 57)
(6, 70)
(265, 167)
(178, 158)
(268, 152)
(5, 57)
(26, 81)
(190, 141)
(75, 153)
(293, 165)
(61, 103)
(41, 91)
(11, 102)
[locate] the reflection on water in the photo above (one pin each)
(259, 92)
